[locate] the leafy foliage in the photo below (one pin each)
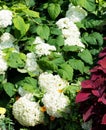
(54, 10)
(38, 18)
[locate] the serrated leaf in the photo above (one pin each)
(9, 89)
(94, 38)
(29, 84)
(98, 37)
(43, 31)
(86, 56)
(87, 4)
(20, 25)
(77, 65)
(54, 10)
(88, 39)
(16, 60)
(45, 64)
(66, 71)
(51, 62)
(91, 21)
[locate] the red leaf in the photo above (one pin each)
(86, 84)
(103, 52)
(104, 119)
(96, 93)
(88, 113)
(82, 97)
(102, 62)
(102, 99)
(94, 69)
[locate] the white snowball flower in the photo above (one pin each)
(44, 49)
(63, 23)
(5, 18)
(7, 40)
(71, 32)
(56, 104)
(27, 112)
(49, 82)
(72, 41)
(3, 63)
(76, 13)
(31, 64)
(38, 40)
(7, 37)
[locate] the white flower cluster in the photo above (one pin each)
(27, 112)
(5, 18)
(6, 41)
(54, 100)
(56, 103)
(70, 32)
(31, 64)
(75, 13)
(3, 63)
(49, 82)
(69, 29)
(43, 48)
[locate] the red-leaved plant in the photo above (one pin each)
(92, 97)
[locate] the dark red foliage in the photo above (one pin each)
(102, 53)
(92, 97)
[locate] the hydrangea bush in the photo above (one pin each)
(46, 51)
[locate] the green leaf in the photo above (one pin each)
(51, 62)
(92, 21)
(94, 38)
(87, 4)
(86, 56)
(20, 25)
(54, 10)
(72, 48)
(88, 39)
(43, 31)
(72, 90)
(16, 60)
(9, 89)
(30, 3)
(66, 71)
(77, 65)
(55, 31)
(31, 13)
(29, 84)
(59, 41)
(45, 64)
(98, 37)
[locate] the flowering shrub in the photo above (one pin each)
(46, 50)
